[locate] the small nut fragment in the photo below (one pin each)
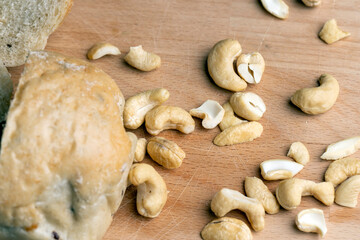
(331, 33)
(342, 148)
(318, 99)
(211, 112)
(140, 150)
(226, 228)
(311, 220)
(251, 67)
(347, 193)
(229, 118)
(255, 188)
(248, 105)
(142, 60)
(244, 132)
(137, 106)
(341, 169)
(101, 49)
(221, 65)
(168, 117)
(278, 8)
(299, 153)
(276, 169)
(312, 3)
(151, 189)
(165, 152)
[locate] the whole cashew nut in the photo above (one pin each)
(142, 60)
(151, 189)
(221, 65)
(229, 118)
(341, 169)
(319, 99)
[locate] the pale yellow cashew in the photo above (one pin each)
(248, 105)
(311, 220)
(312, 3)
(229, 118)
(251, 67)
(278, 169)
(99, 50)
(299, 153)
(331, 33)
(341, 169)
(140, 150)
(278, 8)
(226, 228)
(211, 112)
(341, 149)
(142, 60)
(347, 193)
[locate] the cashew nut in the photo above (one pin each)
(290, 191)
(278, 8)
(227, 200)
(347, 193)
(168, 117)
(229, 118)
(312, 3)
(140, 150)
(244, 132)
(341, 169)
(138, 105)
(221, 65)
(255, 188)
(319, 99)
(211, 112)
(276, 169)
(142, 60)
(299, 153)
(331, 33)
(99, 50)
(151, 189)
(248, 105)
(311, 220)
(165, 152)
(341, 149)
(251, 67)
(226, 228)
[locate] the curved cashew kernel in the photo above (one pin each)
(278, 8)
(331, 33)
(226, 228)
(221, 65)
(211, 112)
(244, 132)
(229, 118)
(341, 149)
(341, 169)
(140, 150)
(151, 189)
(290, 191)
(165, 152)
(251, 67)
(168, 117)
(138, 58)
(299, 153)
(276, 169)
(99, 50)
(255, 188)
(248, 105)
(138, 105)
(312, 3)
(311, 220)
(347, 193)
(318, 99)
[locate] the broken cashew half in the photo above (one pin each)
(318, 99)
(229, 118)
(248, 105)
(165, 152)
(311, 220)
(312, 3)
(255, 188)
(290, 191)
(244, 132)
(211, 112)
(227, 200)
(341, 169)
(169, 117)
(137, 106)
(142, 60)
(140, 150)
(221, 65)
(277, 169)
(99, 50)
(299, 153)
(278, 8)
(331, 33)
(151, 189)
(251, 67)
(341, 149)
(226, 228)
(347, 193)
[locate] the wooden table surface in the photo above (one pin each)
(182, 32)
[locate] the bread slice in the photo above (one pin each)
(6, 88)
(26, 26)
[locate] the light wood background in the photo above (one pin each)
(182, 32)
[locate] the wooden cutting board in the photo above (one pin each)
(182, 32)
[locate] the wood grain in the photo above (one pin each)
(182, 33)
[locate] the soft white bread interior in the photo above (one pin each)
(65, 155)
(6, 88)
(26, 26)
